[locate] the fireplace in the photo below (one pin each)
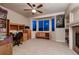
(77, 40)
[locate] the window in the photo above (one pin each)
(46, 25)
(53, 24)
(43, 25)
(40, 26)
(34, 25)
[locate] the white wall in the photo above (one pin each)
(58, 34)
(16, 17)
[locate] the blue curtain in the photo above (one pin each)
(34, 25)
(53, 24)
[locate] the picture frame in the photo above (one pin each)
(60, 21)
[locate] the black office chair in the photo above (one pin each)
(18, 38)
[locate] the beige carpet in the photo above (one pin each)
(42, 47)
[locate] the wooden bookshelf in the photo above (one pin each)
(21, 27)
(14, 26)
(5, 39)
(3, 23)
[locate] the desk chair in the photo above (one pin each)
(18, 38)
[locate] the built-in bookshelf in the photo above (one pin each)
(3, 23)
(15, 26)
(21, 27)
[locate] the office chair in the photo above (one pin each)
(18, 38)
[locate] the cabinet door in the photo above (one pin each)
(24, 36)
(6, 49)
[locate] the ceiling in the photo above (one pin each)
(48, 8)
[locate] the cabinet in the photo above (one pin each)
(28, 31)
(15, 26)
(44, 35)
(6, 49)
(6, 46)
(21, 27)
(25, 36)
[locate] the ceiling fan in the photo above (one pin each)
(34, 8)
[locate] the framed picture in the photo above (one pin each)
(60, 21)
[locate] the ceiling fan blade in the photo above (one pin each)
(39, 6)
(34, 5)
(27, 9)
(39, 11)
(29, 5)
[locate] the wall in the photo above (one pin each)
(58, 34)
(16, 17)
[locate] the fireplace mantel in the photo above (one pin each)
(75, 23)
(75, 32)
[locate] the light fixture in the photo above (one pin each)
(33, 11)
